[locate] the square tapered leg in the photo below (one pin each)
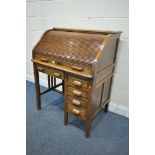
(37, 87)
(87, 128)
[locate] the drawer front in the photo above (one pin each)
(78, 82)
(58, 74)
(50, 71)
(76, 102)
(44, 69)
(80, 94)
(77, 112)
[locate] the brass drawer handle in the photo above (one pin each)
(76, 102)
(77, 93)
(77, 83)
(75, 111)
(57, 74)
(77, 68)
(41, 69)
(43, 60)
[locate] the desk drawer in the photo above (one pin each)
(76, 102)
(80, 94)
(50, 71)
(76, 111)
(78, 82)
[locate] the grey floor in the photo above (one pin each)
(47, 135)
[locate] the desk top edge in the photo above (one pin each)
(90, 76)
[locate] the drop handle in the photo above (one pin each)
(77, 68)
(43, 60)
(76, 102)
(77, 83)
(75, 111)
(77, 93)
(57, 74)
(41, 69)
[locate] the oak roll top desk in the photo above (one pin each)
(84, 60)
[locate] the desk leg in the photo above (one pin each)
(37, 87)
(87, 128)
(54, 81)
(106, 107)
(49, 83)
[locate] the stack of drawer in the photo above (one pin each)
(77, 96)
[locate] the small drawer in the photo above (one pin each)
(58, 74)
(43, 69)
(50, 71)
(77, 93)
(77, 112)
(76, 102)
(78, 82)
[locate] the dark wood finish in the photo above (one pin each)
(54, 81)
(77, 93)
(78, 112)
(49, 81)
(76, 101)
(51, 71)
(78, 82)
(85, 61)
(65, 69)
(37, 87)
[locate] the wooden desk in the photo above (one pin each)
(86, 84)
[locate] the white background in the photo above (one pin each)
(13, 72)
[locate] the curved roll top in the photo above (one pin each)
(69, 47)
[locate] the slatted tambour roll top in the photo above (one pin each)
(73, 49)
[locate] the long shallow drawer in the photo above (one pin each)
(77, 93)
(50, 71)
(78, 82)
(76, 102)
(77, 112)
